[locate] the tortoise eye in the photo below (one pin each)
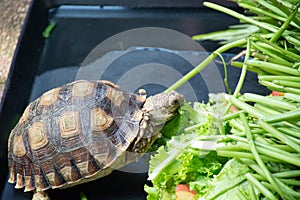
(175, 102)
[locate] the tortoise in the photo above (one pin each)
(82, 131)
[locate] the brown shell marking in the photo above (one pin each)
(25, 114)
(82, 88)
(100, 120)
(109, 84)
(19, 148)
(69, 124)
(37, 135)
(116, 96)
(56, 145)
(49, 97)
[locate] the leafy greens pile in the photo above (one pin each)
(254, 151)
(178, 162)
(188, 158)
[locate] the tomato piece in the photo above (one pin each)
(233, 109)
(184, 187)
(276, 93)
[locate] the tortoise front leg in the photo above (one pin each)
(40, 196)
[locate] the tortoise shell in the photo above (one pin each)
(72, 134)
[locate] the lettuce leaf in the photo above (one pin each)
(230, 178)
(186, 116)
(178, 162)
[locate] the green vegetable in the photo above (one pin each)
(179, 162)
(176, 126)
(82, 196)
(205, 62)
(255, 151)
(230, 178)
(49, 29)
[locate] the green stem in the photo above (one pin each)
(293, 182)
(260, 176)
(290, 131)
(244, 70)
(269, 101)
(264, 12)
(288, 174)
(272, 86)
(285, 124)
(296, 140)
(246, 107)
(261, 47)
(46, 33)
(285, 10)
(266, 109)
(290, 182)
(283, 78)
(287, 189)
(274, 7)
(292, 90)
(235, 123)
(249, 68)
(293, 97)
(204, 63)
(231, 115)
(278, 135)
(267, 58)
(82, 196)
(240, 16)
(279, 148)
(237, 138)
(236, 132)
(260, 187)
(258, 159)
(291, 39)
(290, 115)
(238, 154)
(284, 26)
(225, 73)
(273, 67)
(288, 54)
(251, 192)
(240, 195)
(287, 83)
(268, 152)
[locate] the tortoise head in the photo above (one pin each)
(162, 107)
(158, 109)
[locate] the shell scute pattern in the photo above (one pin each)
(37, 136)
(82, 89)
(100, 120)
(49, 97)
(72, 133)
(48, 103)
(69, 124)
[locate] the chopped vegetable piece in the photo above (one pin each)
(49, 29)
(183, 192)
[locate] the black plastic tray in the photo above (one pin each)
(81, 25)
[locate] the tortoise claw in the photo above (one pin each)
(40, 196)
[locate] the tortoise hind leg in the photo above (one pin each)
(40, 196)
